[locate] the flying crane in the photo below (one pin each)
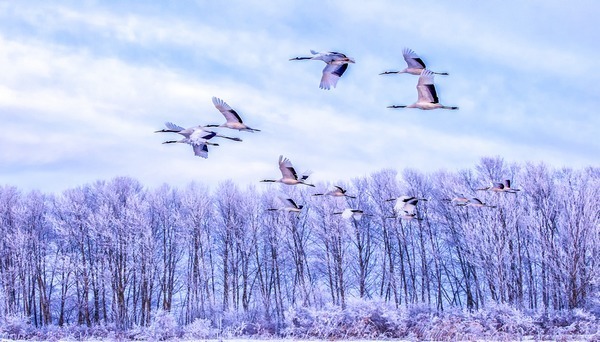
(337, 63)
(233, 120)
(427, 96)
(414, 64)
(288, 174)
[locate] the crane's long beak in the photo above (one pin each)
(230, 138)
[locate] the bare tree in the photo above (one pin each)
(197, 217)
(114, 252)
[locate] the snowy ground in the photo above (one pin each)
(521, 338)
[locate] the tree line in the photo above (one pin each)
(117, 252)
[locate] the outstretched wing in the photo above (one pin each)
(412, 59)
(173, 126)
(230, 114)
(331, 75)
(291, 203)
(347, 213)
(425, 87)
(286, 168)
(201, 150)
(199, 136)
(305, 175)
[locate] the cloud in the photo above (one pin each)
(88, 85)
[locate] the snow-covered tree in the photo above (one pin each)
(115, 255)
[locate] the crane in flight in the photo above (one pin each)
(337, 63)
(406, 204)
(337, 192)
(288, 174)
(196, 136)
(476, 202)
(427, 96)
(199, 141)
(414, 64)
(500, 187)
(411, 216)
(288, 206)
(187, 132)
(508, 188)
(356, 214)
(233, 120)
(495, 187)
(458, 200)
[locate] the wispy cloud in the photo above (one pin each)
(86, 85)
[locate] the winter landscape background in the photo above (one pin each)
(115, 258)
(106, 233)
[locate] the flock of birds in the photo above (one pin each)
(336, 64)
(199, 136)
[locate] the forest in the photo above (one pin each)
(115, 258)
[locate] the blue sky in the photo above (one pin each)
(84, 84)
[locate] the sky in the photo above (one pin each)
(84, 85)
